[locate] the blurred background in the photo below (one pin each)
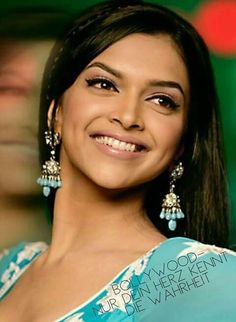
(27, 31)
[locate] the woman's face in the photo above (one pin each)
(123, 119)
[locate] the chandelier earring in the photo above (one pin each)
(50, 174)
(171, 209)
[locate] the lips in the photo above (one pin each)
(120, 143)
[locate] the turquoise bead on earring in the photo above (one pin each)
(47, 184)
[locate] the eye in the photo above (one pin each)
(165, 101)
(102, 83)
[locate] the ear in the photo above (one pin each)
(55, 117)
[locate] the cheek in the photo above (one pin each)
(168, 131)
(78, 107)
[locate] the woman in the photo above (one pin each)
(128, 100)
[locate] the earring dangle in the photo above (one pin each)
(50, 175)
(171, 209)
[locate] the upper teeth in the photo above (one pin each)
(116, 144)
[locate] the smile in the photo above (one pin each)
(119, 145)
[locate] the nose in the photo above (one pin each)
(128, 114)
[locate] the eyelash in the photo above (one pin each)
(167, 102)
(100, 80)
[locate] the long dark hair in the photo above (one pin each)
(202, 189)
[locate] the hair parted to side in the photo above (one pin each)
(202, 189)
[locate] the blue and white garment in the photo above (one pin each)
(179, 280)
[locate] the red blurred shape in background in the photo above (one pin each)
(216, 22)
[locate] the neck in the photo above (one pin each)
(93, 217)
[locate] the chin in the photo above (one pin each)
(117, 184)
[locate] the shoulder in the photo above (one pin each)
(192, 260)
(185, 250)
(182, 270)
(14, 261)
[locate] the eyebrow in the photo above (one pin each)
(161, 83)
(106, 68)
(171, 84)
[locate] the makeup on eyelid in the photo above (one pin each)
(164, 99)
(99, 80)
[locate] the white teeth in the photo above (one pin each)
(132, 148)
(116, 144)
(122, 146)
(128, 146)
(109, 142)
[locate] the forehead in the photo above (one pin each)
(147, 55)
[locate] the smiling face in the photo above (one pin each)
(123, 119)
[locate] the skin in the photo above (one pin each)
(22, 209)
(109, 199)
